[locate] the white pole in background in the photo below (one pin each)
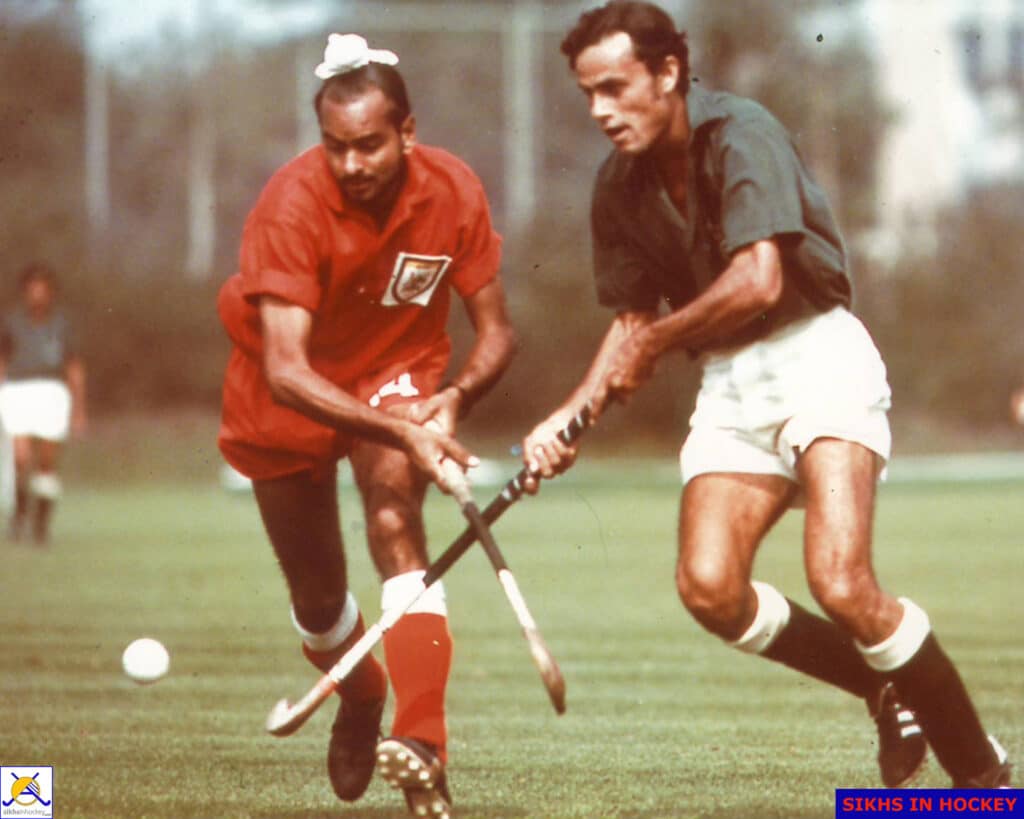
(202, 145)
(97, 146)
(307, 55)
(523, 100)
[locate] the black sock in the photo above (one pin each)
(819, 648)
(929, 684)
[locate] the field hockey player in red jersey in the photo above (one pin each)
(348, 263)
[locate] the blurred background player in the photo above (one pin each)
(704, 204)
(42, 398)
(338, 317)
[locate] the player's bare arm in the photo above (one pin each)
(493, 348)
(750, 285)
(293, 382)
(543, 451)
(5, 351)
(74, 374)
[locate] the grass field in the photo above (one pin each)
(663, 720)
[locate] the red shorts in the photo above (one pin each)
(263, 439)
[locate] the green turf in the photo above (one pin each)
(663, 720)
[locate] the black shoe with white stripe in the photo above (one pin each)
(902, 749)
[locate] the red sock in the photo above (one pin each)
(368, 680)
(418, 651)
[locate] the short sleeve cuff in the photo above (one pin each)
(747, 237)
(298, 290)
(474, 274)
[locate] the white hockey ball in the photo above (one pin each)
(145, 660)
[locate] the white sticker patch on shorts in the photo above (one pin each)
(414, 279)
(402, 386)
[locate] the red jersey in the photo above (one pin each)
(379, 296)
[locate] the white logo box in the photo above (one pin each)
(26, 791)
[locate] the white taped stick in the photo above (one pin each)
(516, 600)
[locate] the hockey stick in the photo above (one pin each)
(550, 674)
(286, 718)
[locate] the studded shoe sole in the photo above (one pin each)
(415, 769)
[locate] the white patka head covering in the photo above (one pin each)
(349, 52)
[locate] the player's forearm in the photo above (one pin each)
(490, 356)
(494, 347)
(294, 383)
(74, 374)
(624, 325)
(305, 391)
(750, 286)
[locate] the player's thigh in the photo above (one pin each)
(301, 518)
(392, 490)
(722, 519)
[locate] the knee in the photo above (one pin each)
(844, 594)
(713, 595)
(390, 519)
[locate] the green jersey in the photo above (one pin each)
(36, 349)
(745, 182)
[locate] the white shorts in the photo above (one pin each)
(36, 407)
(760, 406)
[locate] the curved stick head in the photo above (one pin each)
(282, 721)
(550, 673)
(556, 691)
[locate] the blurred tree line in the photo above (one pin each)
(946, 322)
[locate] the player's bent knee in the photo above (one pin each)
(392, 520)
(710, 597)
(844, 597)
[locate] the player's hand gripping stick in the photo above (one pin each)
(286, 718)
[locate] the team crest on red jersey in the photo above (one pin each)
(414, 279)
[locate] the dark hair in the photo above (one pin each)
(343, 87)
(37, 271)
(650, 28)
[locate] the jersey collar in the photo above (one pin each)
(701, 108)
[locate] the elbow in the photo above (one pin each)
(766, 293)
(505, 341)
(512, 344)
(281, 380)
(764, 283)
